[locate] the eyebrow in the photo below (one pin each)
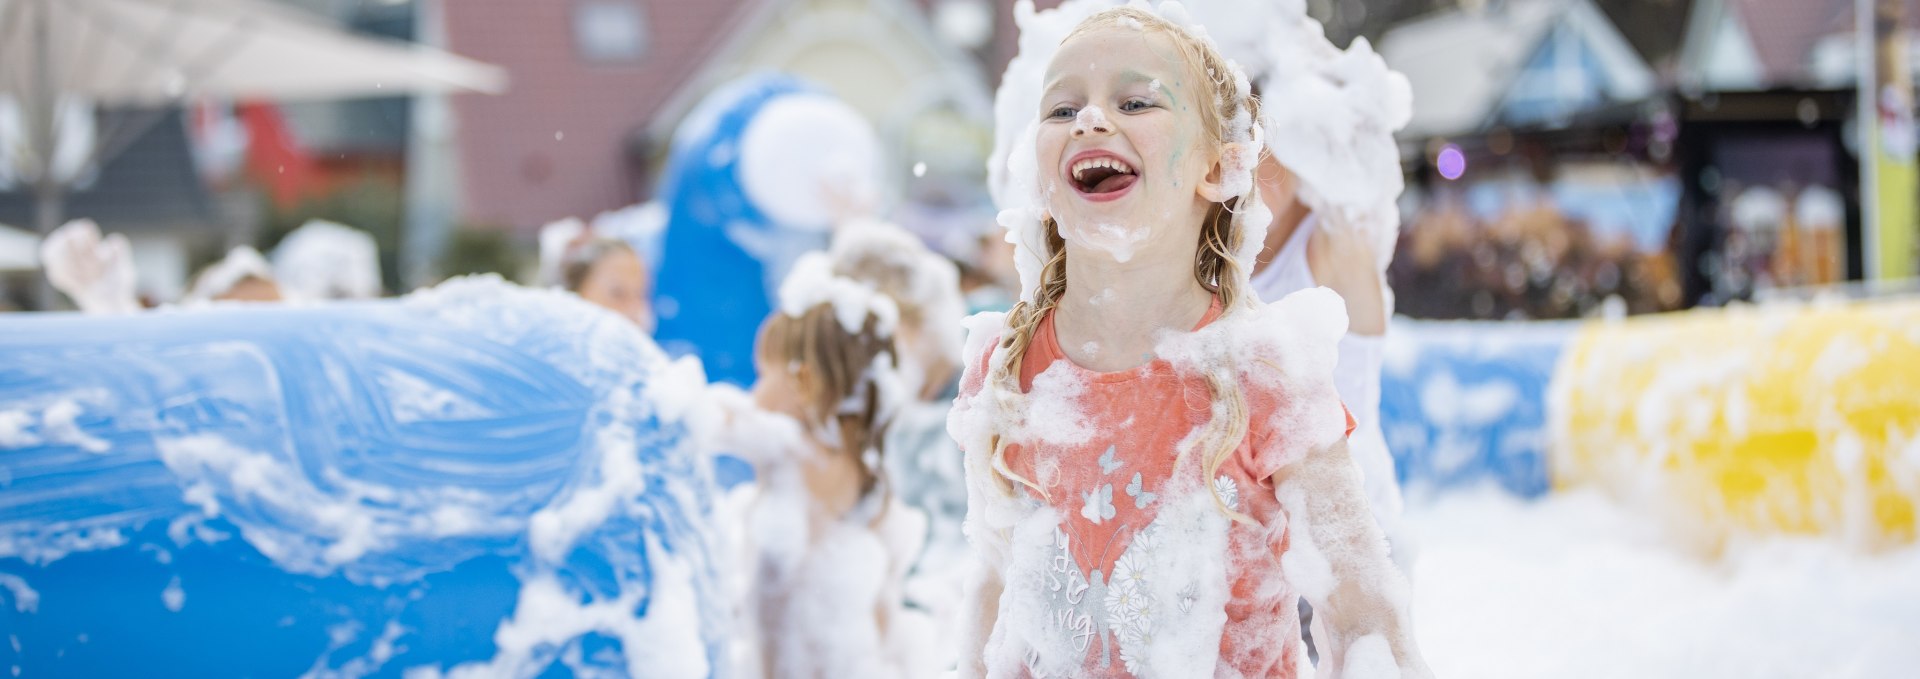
(1128, 77)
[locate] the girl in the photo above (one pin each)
(603, 270)
(607, 272)
(833, 545)
(1156, 466)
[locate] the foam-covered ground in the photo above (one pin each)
(1573, 585)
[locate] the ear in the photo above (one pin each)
(1233, 158)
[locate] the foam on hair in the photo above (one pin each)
(847, 377)
(1219, 262)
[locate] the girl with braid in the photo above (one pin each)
(830, 543)
(1156, 461)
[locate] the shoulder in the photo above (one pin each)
(984, 331)
(1288, 351)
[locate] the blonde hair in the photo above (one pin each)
(1214, 266)
(838, 379)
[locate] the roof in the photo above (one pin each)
(1462, 63)
(1772, 44)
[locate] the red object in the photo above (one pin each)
(275, 158)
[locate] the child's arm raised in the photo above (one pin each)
(1339, 560)
(1344, 259)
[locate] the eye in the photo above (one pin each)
(1062, 112)
(1135, 104)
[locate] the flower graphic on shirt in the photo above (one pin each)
(1099, 504)
(1144, 539)
(1136, 641)
(1123, 606)
(1130, 569)
(1188, 596)
(1228, 491)
(1135, 659)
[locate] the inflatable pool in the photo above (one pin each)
(477, 479)
(1784, 418)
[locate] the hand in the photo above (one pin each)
(97, 273)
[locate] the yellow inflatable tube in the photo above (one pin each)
(1799, 419)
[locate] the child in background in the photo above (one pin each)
(242, 276)
(605, 271)
(923, 465)
(609, 273)
(922, 462)
(832, 544)
(1138, 362)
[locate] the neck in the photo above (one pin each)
(834, 479)
(1286, 219)
(1111, 314)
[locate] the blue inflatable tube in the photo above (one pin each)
(1465, 403)
(712, 292)
(467, 479)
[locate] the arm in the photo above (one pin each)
(1339, 560)
(97, 273)
(1342, 259)
(980, 609)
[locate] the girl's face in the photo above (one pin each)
(1122, 154)
(779, 389)
(619, 282)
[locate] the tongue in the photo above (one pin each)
(1114, 183)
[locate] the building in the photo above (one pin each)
(601, 85)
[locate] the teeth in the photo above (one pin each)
(1091, 163)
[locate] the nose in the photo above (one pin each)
(1091, 120)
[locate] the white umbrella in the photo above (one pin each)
(158, 52)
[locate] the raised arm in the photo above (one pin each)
(1339, 560)
(97, 273)
(1342, 258)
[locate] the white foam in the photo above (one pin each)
(812, 283)
(318, 531)
(173, 596)
(809, 161)
(14, 426)
(25, 599)
(96, 272)
(58, 425)
(553, 530)
(1537, 574)
(548, 616)
(240, 263)
(930, 282)
(327, 260)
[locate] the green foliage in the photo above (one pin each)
(483, 249)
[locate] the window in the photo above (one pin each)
(610, 31)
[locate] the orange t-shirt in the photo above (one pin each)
(1111, 547)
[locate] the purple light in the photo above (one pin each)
(1451, 162)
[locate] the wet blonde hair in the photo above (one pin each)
(1214, 266)
(835, 371)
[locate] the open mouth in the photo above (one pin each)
(1102, 176)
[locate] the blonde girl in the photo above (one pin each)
(1156, 463)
